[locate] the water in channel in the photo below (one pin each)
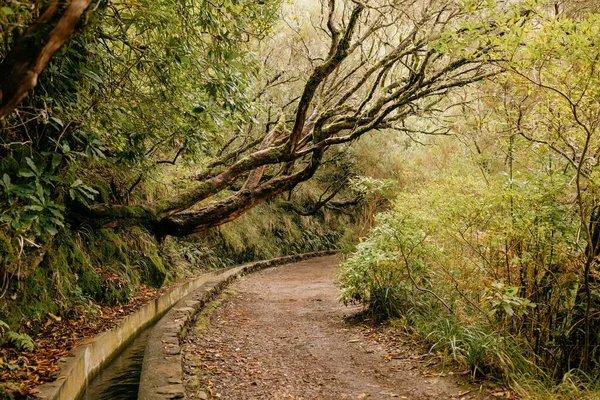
(120, 380)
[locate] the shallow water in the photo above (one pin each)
(120, 380)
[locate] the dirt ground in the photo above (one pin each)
(282, 334)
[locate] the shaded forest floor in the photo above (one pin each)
(282, 334)
(22, 371)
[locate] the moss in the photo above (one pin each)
(7, 253)
(59, 266)
(108, 247)
(153, 272)
(111, 243)
(35, 298)
(112, 296)
(103, 189)
(90, 283)
(64, 279)
(79, 259)
(49, 288)
(114, 292)
(104, 289)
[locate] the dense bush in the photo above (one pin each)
(481, 269)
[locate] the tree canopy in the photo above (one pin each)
(148, 86)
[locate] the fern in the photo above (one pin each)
(21, 341)
(3, 327)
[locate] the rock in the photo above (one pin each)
(172, 391)
(202, 395)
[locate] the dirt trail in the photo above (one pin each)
(282, 334)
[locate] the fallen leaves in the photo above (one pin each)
(393, 356)
(22, 371)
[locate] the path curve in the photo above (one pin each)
(282, 334)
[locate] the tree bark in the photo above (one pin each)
(32, 52)
(223, 211)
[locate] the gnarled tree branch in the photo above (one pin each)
(32, 52)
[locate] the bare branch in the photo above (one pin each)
(338, 52)
(322, 201)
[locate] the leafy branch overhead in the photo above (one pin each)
(382, 67)
(158, 88)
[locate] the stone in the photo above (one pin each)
(202, 395)
(171, 391)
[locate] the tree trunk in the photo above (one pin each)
(32, 52)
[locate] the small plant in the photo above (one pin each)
(505, 300)
(20, 341)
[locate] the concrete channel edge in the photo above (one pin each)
(179, 306)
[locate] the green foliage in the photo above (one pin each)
(21, 341)
(367, 185)
(138, 85)
(29, 202)
(574, 385)
(480, 349)
(106, 266)
(371, 277)
(505, 299)
(477, 261)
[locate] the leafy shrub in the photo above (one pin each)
(20, 341)
(464, 264)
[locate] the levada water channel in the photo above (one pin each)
(120, 379)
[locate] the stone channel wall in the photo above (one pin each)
(88, 358)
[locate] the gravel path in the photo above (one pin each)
(282, 334)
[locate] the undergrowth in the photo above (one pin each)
(485, 276)
(87, 268)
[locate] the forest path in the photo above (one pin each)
(282, 334)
